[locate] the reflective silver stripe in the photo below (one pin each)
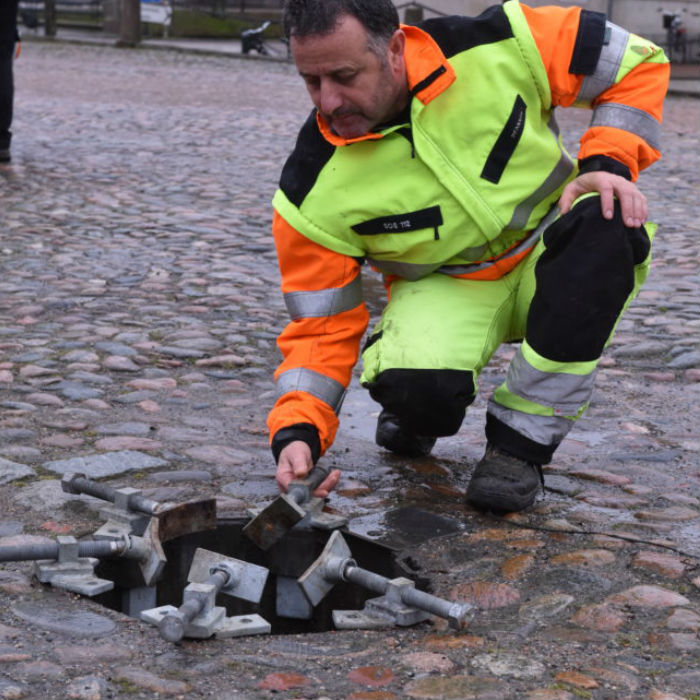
(547, 430)
(565, 393)
(474, 253)
(526, 243)
(630, 119)
(475, 267)
(405, 270)
(324, 388)
(551, 183)
(325, 302)
(607, 68)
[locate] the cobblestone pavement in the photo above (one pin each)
(138, 311)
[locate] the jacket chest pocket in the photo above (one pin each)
(506, 143)
(402, 223)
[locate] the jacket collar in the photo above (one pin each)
(429, 74)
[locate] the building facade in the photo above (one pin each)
(643, 17)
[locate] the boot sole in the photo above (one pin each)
(493, 499)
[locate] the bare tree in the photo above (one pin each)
(50, 17)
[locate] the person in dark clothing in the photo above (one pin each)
(8, 41)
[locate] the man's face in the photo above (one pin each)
(352, 87)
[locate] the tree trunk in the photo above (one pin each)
(129, 22)
(49, 17)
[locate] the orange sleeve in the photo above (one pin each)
(328, 345)
(643, 88)
(555, 30)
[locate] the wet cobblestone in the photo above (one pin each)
(138, 309)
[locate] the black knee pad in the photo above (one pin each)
(583, 279)
(431, 402)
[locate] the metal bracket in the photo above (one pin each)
(313, 516)
(198, 617)
(319, 519)
(391, 604)
(400, 600)
(118, 523)
(120, 515)
(153, 559)
(71, 572)
(291, 601)
(242, 626)
(211, 615)
(318, 580)
(120, 518)
(201, 626)
(386, 610)
(360, 620)
(245, 580)
(211, 620)
(236, 626)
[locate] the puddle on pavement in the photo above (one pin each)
(405, 527)
(280, 605)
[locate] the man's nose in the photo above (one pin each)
(330, 97)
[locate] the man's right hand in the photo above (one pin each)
(295, 463)
(633, 203)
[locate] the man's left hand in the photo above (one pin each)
(632, 202)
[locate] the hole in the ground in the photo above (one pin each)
(282, 603)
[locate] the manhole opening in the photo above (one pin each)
(286, 561)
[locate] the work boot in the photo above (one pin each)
(502, 482)
(392, 436)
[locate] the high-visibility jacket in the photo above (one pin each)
(465, 187)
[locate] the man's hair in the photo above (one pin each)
(302, 18)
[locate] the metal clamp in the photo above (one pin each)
(400, 600)
(389, 609)
(70, 571)
(198, 616)
(128, 513)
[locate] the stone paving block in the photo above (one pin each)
(11, 690)
(150, 681)
(128, 428)
(577, 679)
(87, 688)
(97, 466)
(283, 681)
(76, 391)
(668, 565)
(545, 606)
(428, 662)
(10, 654)
(12, 435)
(48, 495)
(11, 471)
(645, 596)
(10, 527)
(510, 665)
(683, 619)
(456, 688)
(69, 623)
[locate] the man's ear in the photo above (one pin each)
(395, 49)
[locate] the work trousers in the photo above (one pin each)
(423, 359)
(7, 49)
